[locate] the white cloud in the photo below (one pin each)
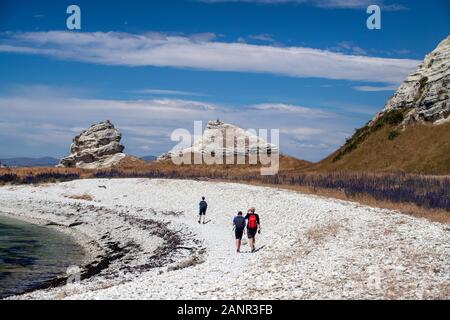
(350, 47)
(168, 92)
(289, 108)
(303, 132)
(327, 4)
(375, 88)
(45, 124)
(155, 49)
(262, 37)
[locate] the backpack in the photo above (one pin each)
(252, 222)
(239, 222)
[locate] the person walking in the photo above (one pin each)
(253, 227)
(202, 210)
(239, 227)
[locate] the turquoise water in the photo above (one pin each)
(32, 255)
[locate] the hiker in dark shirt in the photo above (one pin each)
(253, 226)
(202, 210)
(239, 227)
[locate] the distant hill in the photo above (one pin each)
(148, 158)
(287, 164)
(30, 162)
(411, 133)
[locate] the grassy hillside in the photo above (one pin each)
(420, 148)
(287, 164)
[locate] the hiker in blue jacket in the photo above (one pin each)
(202, 210)
(239, 227)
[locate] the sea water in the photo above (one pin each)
(32, 255)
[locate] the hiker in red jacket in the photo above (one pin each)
(253, 226)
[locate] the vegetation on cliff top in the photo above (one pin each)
(392, 118)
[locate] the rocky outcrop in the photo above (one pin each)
(425, 93)
(95, 148)
(226, 139)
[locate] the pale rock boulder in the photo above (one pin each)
(95, 148)
(425, 93)
(226, 139)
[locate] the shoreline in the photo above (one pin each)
(92, 251)
(116, 250)
(311, 247)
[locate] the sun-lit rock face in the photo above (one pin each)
(425, 93)
(97, 147)
(226, 139)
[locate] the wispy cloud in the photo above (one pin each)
(155, 49)
(375, 88)
(327, 4)
(349, 47)
(293, 109)
(303, 132)
(164, 92)
(265, 37)
(45, 125)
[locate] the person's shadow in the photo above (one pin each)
(260, 248)
(256, 250)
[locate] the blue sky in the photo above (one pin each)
(308, 67)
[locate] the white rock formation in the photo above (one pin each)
(227, 139)
(95, 148)
(426, 91)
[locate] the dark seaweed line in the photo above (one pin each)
(161, 256)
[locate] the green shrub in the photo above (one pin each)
(393, 134)
(392, 117)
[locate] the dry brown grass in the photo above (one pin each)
(85, 196)
(22, 172)
(421, 148)
(320, 233)
(131, 164)
(246, 174)
(186, 263)
(434, 215)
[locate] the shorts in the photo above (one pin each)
(251, 233)
(202, 212)
(239, 233)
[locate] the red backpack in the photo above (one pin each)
(252, 222)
